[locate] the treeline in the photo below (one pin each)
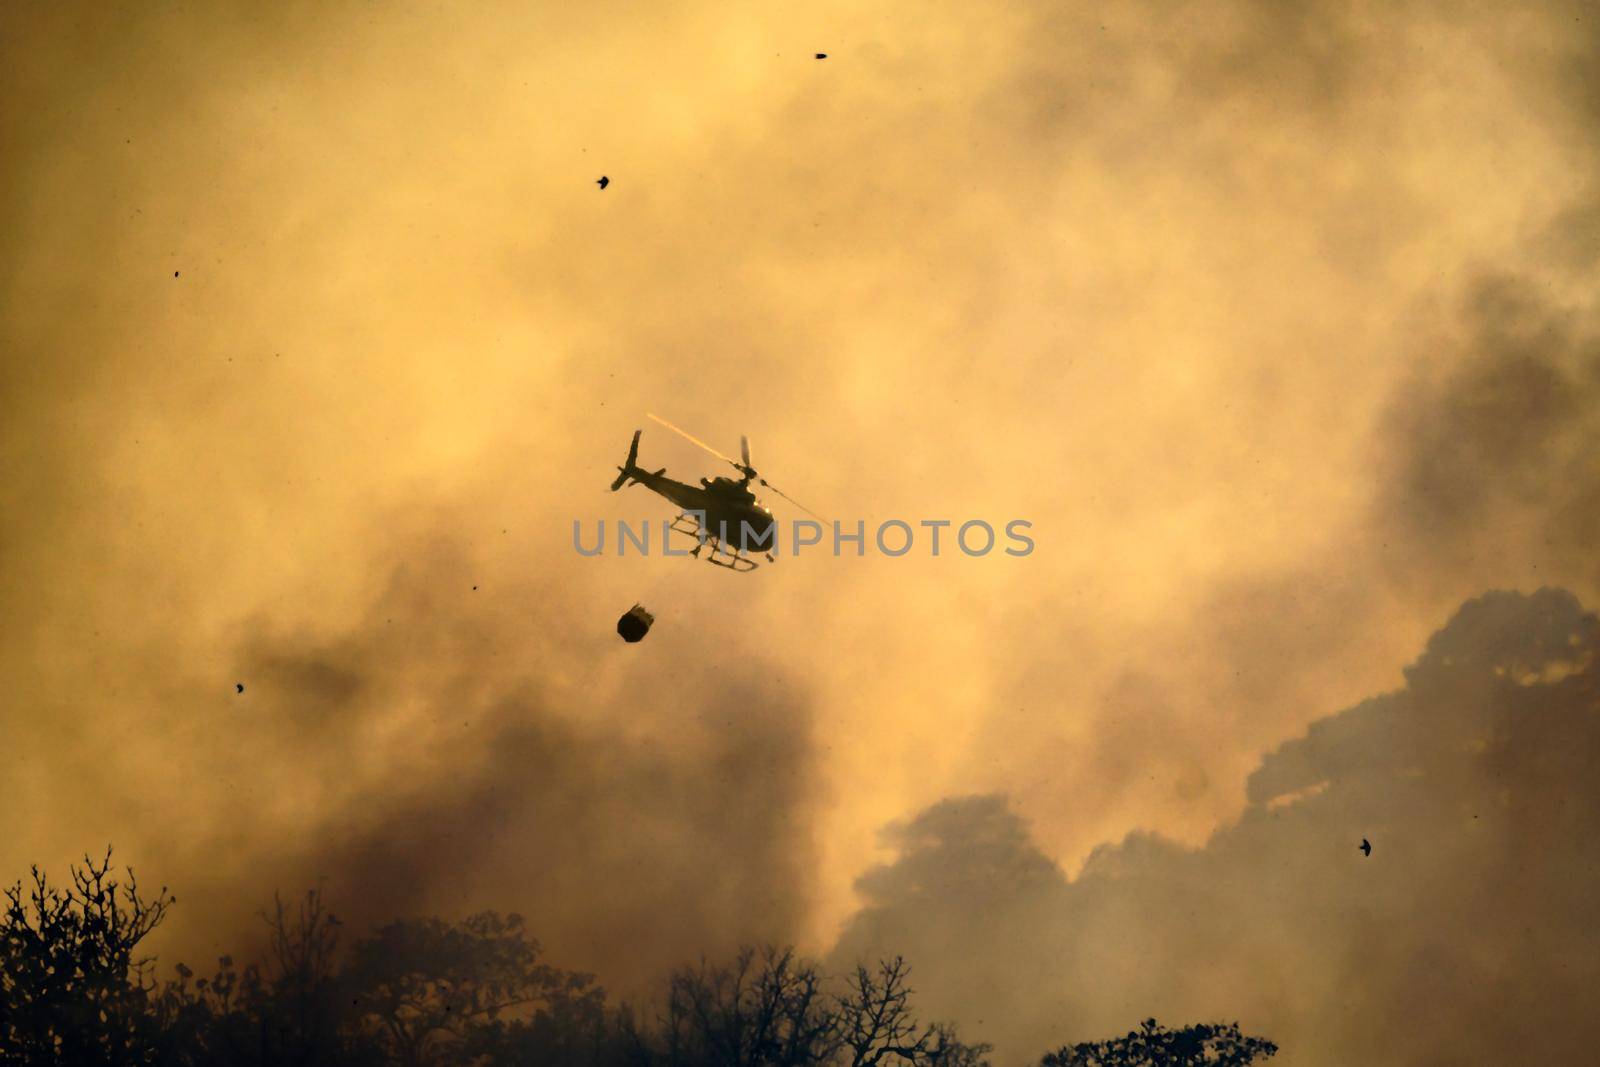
(75, 990)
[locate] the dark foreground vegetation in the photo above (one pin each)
(74, 989)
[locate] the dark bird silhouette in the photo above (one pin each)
(822, 55)
(603, 182)
(238, 687)
(1366, 847)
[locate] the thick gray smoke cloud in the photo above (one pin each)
(1493, 456)
(1466, 937)
(441, 767)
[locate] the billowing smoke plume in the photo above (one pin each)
(1466, 936)
(436, 759)
(1276, 320)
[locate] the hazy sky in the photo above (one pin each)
(1275, 320)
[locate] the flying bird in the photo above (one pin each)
(1366, 847)
(822, 55)
(238, 687)
(603, 182)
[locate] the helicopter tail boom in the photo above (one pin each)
(628, 469)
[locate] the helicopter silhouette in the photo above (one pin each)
(722, 514)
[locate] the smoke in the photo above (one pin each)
(1494, 455)
(432, 758)
(1464, 937)
(1275, 320)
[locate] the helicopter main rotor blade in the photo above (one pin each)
(743, 468)
(695, 440)
(790, 499)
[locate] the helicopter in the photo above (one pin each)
(722, 514)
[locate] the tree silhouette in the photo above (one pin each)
(765, 1008)
(876, 1024)
(292, 1010)
(422, 986)
(1205, 1045)
(768, 1008)
(435, 993)
(72, 989)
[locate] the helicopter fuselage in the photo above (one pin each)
(726, 509)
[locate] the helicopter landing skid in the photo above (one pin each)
(720, 555)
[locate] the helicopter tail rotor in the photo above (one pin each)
(628, 468)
